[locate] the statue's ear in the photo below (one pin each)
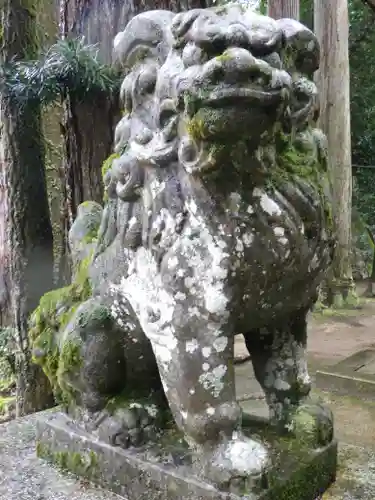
(302, 44)
(146, 35)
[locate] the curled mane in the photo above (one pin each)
(151, 182)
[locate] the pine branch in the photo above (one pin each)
(69, 67)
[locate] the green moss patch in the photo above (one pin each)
(47, 322)
(107, 164)
(82, 464)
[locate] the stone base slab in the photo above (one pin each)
(163, 471)
(353, 376)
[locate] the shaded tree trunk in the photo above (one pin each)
(370, 292)
(332, 28)
(279, 9)
(27, 232)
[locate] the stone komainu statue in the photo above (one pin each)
(215, 223)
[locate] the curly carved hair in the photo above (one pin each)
(165, 56)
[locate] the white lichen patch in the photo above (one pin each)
(279, 231)
(144, 286)
(212, 381)
(205, 367)
(267, 203)
(152, 410)
(192, 346)
(180, 296)
(281, 385)
(206, 256)
(135, 405)
(215, 300)
(156, 187)
(132, 222)
(247, 238)
(239, 246)
(210, 411)
(246, 456)
(194, 311)
(206, 352)
(188, 282)
(173, 262)
(220, 344)
(269, 206)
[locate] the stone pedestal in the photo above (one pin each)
(163, 471)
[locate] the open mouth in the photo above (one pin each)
(239, 95)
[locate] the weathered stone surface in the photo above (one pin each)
(164, 471)
(82, 235)
(216, 222)
(24, 476)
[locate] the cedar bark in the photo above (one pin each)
(332, 28)
(27, 244)
(279, 9)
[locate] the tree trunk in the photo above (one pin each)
(332, 28)
(279, 9)
(371, 279)
(27, 232)
(5, 306)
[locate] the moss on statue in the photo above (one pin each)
(106, 166)
(311, 471)
(293, 163)
(54, 312)
(82, 464)
(70, 356)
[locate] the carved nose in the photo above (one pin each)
(238, 65)
(243, 61)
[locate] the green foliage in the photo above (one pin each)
(7, 361)
(362, 70)
(364, 195)
(6, 341)
(68, 67)
(363, 215)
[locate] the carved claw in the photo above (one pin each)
(134, 425)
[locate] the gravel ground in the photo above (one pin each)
(25, 477)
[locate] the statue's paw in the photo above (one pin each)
(312, 424)
(237, 465)
(134, 425)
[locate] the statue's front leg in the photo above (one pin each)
(195, 358)
(278, 354)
